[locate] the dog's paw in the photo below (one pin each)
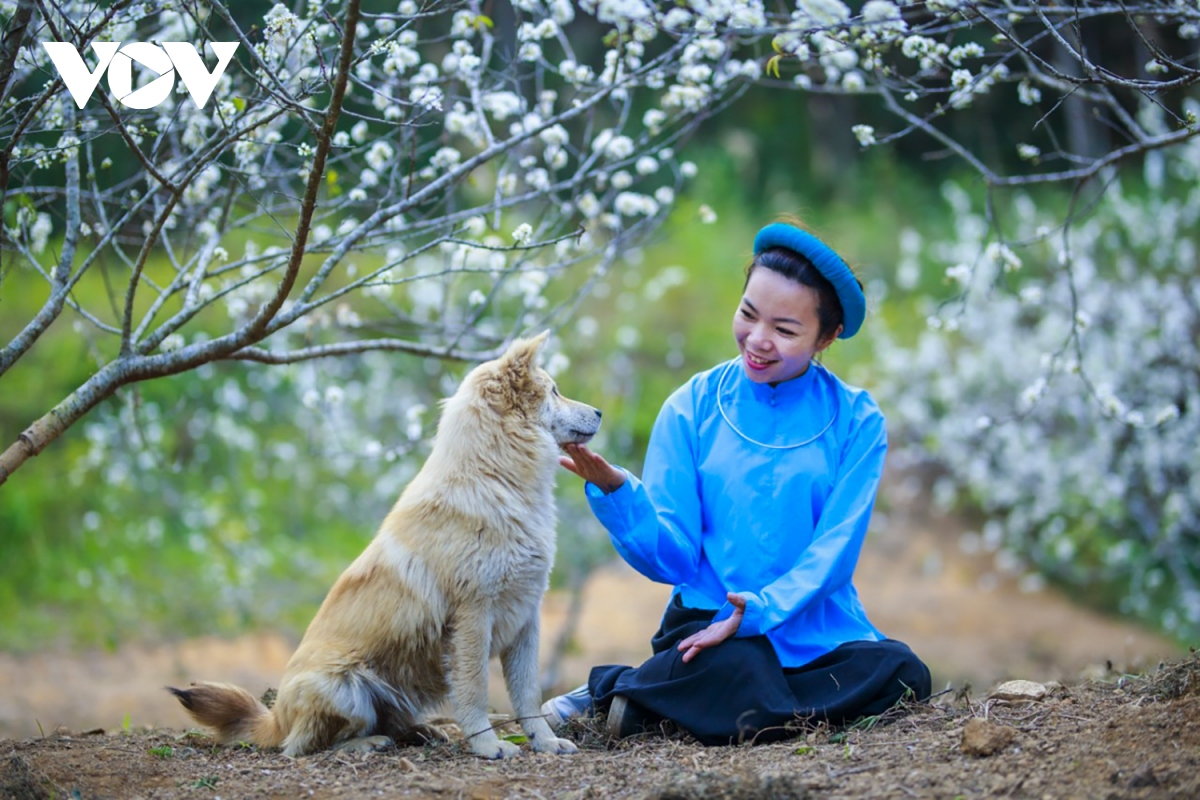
(495, 749)
(426, 733)
(365, 744)
(562, 747)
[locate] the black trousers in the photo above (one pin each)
(738, 690)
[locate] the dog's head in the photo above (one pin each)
(516, 386)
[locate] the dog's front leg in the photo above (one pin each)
(520, 662)
(471, 643)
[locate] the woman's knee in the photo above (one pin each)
(911, 672)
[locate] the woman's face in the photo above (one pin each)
(776, 327)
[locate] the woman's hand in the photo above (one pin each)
(716, 633)
(592, 468)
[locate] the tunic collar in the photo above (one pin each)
(792, 414)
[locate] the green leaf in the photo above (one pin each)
(239, 103)
(773, 65)
(516, 738)
(483, 21)
(805, 750)
(776, 46)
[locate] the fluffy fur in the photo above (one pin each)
(455, 575)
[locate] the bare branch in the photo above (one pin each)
(363, 346)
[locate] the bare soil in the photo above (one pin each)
(1129, 737)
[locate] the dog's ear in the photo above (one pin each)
(523, 353)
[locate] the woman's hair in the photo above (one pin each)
(796, 267)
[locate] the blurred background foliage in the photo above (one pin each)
(230, 498)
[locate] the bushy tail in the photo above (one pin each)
(237, 715)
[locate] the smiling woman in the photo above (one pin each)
(756, 495)
(777, 327)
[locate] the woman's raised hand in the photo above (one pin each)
(592, 467)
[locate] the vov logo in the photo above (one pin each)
(165, 61)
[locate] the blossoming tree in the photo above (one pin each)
(424, 170)
(348, 152)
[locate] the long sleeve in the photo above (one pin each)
(656, 525)
(828, 563)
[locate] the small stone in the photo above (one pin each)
(983, 738)
(1143, 778)
(1018, 691)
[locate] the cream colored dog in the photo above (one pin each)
(455, 575)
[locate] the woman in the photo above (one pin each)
(754, 502)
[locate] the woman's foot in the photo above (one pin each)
(626, 718)
(572, 705)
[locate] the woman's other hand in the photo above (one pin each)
(592, 468)
(716, 633)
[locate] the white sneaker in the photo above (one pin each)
(575, 703)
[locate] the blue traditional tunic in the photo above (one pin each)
(763, 491)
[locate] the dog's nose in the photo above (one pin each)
(598, 414)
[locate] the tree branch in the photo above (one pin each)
(257, 327)
(264, 356)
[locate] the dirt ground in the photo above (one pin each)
(1100, 732)
(1128, 737)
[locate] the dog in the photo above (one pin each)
(455, 575)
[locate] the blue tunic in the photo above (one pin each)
(763, 491)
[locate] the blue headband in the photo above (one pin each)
(827, 262)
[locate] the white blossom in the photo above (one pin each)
(588, 205)
(865, 134)
(620, 180)
(823, 13)
(1028, 93)
(618, 147)
(380, 155)
(632, 203)
(502, 105)
(445, 158)
(965, 51)
(523, 234)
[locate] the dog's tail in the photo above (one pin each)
(235, 714)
